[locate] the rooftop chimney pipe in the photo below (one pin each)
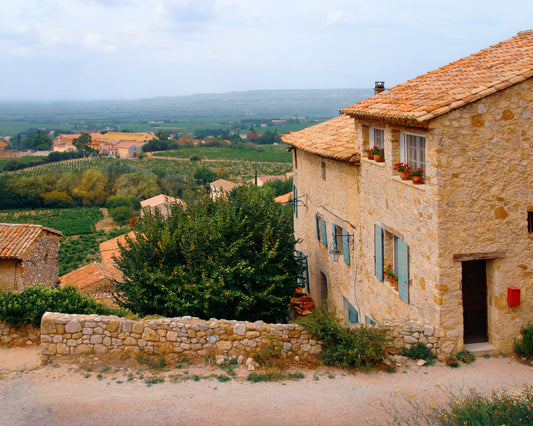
(379, 87)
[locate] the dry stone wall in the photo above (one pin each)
(65, 334)
(25, 334)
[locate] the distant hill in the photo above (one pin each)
(258, 103)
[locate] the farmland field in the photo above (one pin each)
(269, 153)
(237, 170)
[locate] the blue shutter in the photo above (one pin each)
(403, 270)
(353, 315)
(306, 273)
(324, 233)
(346, 246)
(368, 321)
(334, 240)
(317, 225)
(378, 251)
(295, 200)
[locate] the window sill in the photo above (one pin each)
(420, 187)
(375, 163)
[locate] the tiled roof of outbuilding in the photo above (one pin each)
(452, 86)
(109, 250)
(90, 274)
(334, 138)
(16, 238)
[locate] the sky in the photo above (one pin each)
(129, 49)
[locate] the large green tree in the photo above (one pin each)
(231, 258)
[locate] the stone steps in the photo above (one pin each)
(481, 349)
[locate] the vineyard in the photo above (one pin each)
(75, 221)
(269, 154)
(236, 170)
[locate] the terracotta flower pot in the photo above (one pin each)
(369, 155)
(379, 158)
(417, 180)
(404, 176)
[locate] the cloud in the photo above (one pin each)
(334, 16)
(95, 42)
(184, 14)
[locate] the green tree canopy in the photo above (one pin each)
(231, 258)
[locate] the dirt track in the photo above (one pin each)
(91, 392)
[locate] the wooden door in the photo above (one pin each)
(474, 286)
(323, 287)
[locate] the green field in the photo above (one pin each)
(237, 170)
(272, 154)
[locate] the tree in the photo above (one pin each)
(231, 258)
(91, 189)
(81, 143)
(139, 185)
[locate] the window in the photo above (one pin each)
(341, 242)
(295, 200)
(530, 221)
(350, 313)
(388, 248)
(321, 234)
(413, 150)
(377, 138)
(303, 279)
(295, 158)
(323, 170)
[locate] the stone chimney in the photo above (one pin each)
(379, 87)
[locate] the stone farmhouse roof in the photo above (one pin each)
(15, 239)
(334, 138)
(160, 200)
(90, 274)
(109, 250)
(466, 80)
(223, 185)
(285, 198)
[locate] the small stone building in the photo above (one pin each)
(160, 202)
(28, 256)
(460, 244)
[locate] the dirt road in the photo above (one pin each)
(93, 392)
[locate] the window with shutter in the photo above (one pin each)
(295, 200)
(324, 233)
(346, 246)
(378, 251)
(350, 313)
(402, 268)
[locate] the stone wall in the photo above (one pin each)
(64, 334)
(40, 265)
(24, 334)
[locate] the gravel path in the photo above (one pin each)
(91, 392)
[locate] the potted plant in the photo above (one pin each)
(403, 169)
(417, 176)
(368, 153)
(379, 154)
(391, 276)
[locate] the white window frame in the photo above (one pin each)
(415, 154)
(372, 137)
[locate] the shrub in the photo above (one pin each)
(524, 344)
(466, 356)
(359, 347)
(420, 351)
(29, 306)
(270, 353)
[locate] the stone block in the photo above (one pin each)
(73, 326)
(172, 336)
(240, 329)
(116, 342)
(410, 340)
(224, 345)
(252, 334)
(113, 325)
(48, 327)
(429, 331)
(96, 339)
(287, 346)
(191, 333)
(82, 349)
(150, 335)
(87, 331)
(106, 341)
(137, 327)
(130, 341)
(44, 339)
(56, 339)
(98, 330)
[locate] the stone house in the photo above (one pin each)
(461, 243)
(28, 256)
(160, 202)
(222, 187)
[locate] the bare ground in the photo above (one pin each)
(95, 391)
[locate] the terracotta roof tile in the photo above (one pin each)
(90, 274)
(16, 238)
(452, 86)
(334, 138)
(224, 185)
(109, 250)
(160, 200)
(285, 198)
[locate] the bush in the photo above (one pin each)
(29, 306)
(121, 214)
(420, 351)
(524, 344)
(359, 347)
(270, 354)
